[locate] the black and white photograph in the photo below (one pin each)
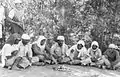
(59, 38)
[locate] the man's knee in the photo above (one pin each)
(41, 57)
(18, 58)
(117, 65)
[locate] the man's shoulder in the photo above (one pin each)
(65, 45)
(6, 45)
(73, 47)
(55, 44)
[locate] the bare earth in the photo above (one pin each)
(47, 71)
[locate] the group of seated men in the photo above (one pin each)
(18, 53)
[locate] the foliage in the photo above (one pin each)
(75, 19)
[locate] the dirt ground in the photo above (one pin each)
(47, 71)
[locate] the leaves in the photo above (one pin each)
(81, 18)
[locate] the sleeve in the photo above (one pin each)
(117, 54)
(47, 49)
(106, 52)
(34, 48)
(69, 50)
(53, 49)
(7, 51)
(66, 49)
(11, 14)
(89, 52)
(100, 53)
(30, 54)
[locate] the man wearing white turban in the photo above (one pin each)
(78, 53)
(59, 49)
(41, 52)
(24, 52)
(111, 57)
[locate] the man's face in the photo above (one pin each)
(43, 42)
(18, 6)
(17, 41)
(79, 46)
(94, 47)
(24, 41)
(60, 42)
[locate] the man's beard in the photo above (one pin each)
(60, 44)
(24, 42)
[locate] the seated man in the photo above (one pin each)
(59, 49)
(111, 57)
(78, 53)
(8, 52)
(41, 52)
(24, 55)
(95, 53)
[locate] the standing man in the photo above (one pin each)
(2, 17)
(16, 15)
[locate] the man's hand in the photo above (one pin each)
(14, 53)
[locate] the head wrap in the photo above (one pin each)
(80, 42)
(42, 47)
(83, 50)
(95, 43)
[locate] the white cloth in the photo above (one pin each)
(60, 50)
(15, 46)
(19, 14)
(82, 52)
(17, 1)
(2, 17)
(2, 14)
(113, 46)
(23, 50)
(11, 14)
(60, 38)
(68, 52)
(95, 43)
(96, 52)
(6, 51)
(0, 30)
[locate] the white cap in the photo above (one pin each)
(60, 38)
(17, 1)
(25, 36)
(113, 46)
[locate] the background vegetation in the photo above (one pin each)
(75, 19)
